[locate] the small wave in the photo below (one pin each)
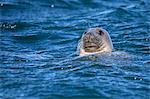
(15, 26)
(14, 5)
(31, 38)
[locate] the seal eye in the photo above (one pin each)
(85, 32)
(100, 32)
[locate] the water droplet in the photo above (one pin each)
(2, 4)
(12, 27)
(52, 6)
(147, 39)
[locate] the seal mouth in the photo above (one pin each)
(91, 47)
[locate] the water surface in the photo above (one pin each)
(38, 41)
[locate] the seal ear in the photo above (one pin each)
(100, 32)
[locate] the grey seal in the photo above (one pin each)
(95, 40)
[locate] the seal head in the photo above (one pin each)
(95, 40)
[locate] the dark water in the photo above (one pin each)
(38, 41)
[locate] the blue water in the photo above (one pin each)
(38, 42)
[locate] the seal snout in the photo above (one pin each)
(89, 43)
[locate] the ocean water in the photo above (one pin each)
(38, 42)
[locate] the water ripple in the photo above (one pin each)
(38, 42)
